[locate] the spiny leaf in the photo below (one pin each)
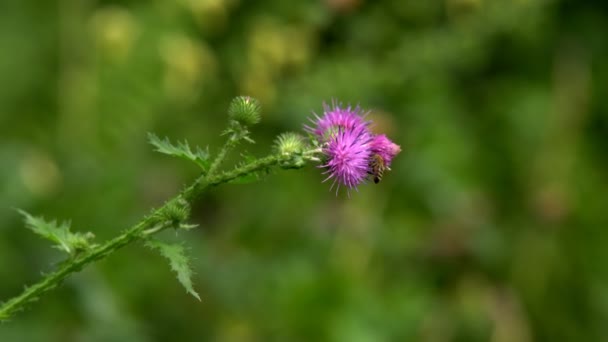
(58, 233)
(181, 150)
(178, 260)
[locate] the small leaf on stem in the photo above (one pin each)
(179, 262)
(181, 150)
(58, 233)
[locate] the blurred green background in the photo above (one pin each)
(489, 228)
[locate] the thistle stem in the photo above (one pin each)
(229, 145)
(144, 228)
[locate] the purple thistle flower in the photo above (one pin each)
(336, 118)
(352, 153)
(346, 143)
(348, 153)
(385, 148)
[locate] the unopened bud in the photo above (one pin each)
(245, 110)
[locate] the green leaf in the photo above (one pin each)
(58, 233)
(181, 150)
(178, 260)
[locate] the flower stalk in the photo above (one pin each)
(148, 226)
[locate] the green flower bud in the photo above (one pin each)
(176, 211)
(289, 143)
(245, 110)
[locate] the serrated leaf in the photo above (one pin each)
(181, 150)
(179, 262)
(58, 233)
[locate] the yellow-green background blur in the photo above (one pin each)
(490, 227)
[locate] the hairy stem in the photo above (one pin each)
(230, 144)
(149, 225)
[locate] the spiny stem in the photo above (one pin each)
(151, 224)
(55, 278)
(230, 144)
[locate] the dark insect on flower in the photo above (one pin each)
(377, 166)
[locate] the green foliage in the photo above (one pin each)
(171, 214)
(181, 150)
(179, 262)
(59, 234)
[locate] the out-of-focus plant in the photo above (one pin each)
(340, 141)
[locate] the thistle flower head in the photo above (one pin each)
(345, 140)
(347, 154)
(351, 152)
(385, 148)
(335, 118)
